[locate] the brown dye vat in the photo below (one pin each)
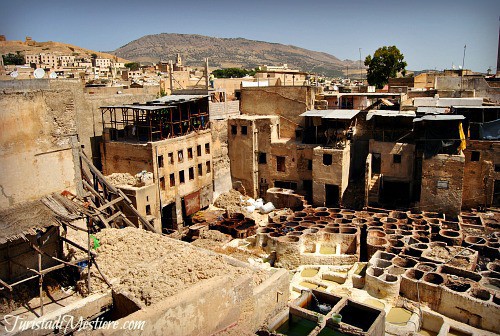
(380, 263)
(430, 214)
(264, 230)
(426, 266)
(424, 239)
(434, 278)
(306, 223)
(295, 233)
(493, 226)
(416, 250)
(450, 225)
(348, 230)
(334, 210)
(274, 234)
(318, 226)
(332, 225)
(481, 294)
(336, 215)
(386, 256)
(375, 233)
(475, 242)
(423, 227)
(419, 222)
(388, 220)
(323, 222)
(390, 226)
(275, 226)
(299, 228)
(311, 218)
(414, 274)
(300, 214)
(405, 227)
(389, 232)
(342, 221)
(451, 237)
(291, 224)
(396, 243)
(406, 233)
(321, 209)
(373, 224)
(404, 262)
(349, 217)
(434, 221)
(496, 299)
(358, 221)
(347, 212)
(375, 271)
(458, 286)
(331, 230)
(322, 214)
(296, 219)
(388, 277)
(421, 233)
(399, 215)
(493, 267)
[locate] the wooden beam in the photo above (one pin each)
(77, 245)
(110, 203)
(3, 283)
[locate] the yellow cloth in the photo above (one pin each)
(463, 143)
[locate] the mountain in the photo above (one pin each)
(230, 52)
(35, 47)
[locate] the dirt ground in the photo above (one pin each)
(152, 267)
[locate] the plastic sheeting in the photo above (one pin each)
(490, 130)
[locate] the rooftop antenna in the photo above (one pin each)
(39, 73)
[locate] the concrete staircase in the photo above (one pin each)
(374, 189)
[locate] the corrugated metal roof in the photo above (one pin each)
(331, 114)
(387, 113)
(139, 107)
(439, 117)
(178, 98)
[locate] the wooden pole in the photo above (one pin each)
(88, 256)
(40, 282)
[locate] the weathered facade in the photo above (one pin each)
(171, 139)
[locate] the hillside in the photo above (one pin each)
(50, 47)
(229, 52)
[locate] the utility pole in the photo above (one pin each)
(463, 68)
(170, 76)
(360, 74)
(206, 74)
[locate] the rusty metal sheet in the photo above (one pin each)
(192, 203)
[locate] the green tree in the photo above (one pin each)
(230, 73)
(385, 63)
(133, 66)
(13, 59)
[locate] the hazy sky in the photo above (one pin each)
(431, 34)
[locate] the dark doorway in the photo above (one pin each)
(376, 163)
(308, 188)
(285, 185)
(395, 194)
(332, 195)
(496, 194)
(168, 218)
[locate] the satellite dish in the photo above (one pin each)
(39, 73)
(14, 74)
(53, 75)
(96, 77)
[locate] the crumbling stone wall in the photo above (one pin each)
(442, 177)
(480, 176)
(38, 117)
